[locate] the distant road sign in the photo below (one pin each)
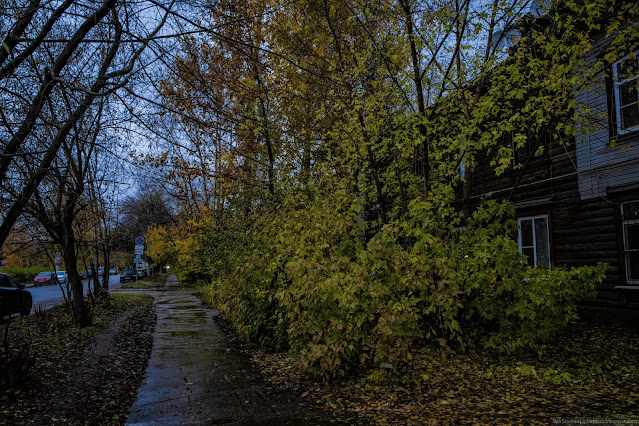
(138, 251)
(139, 240)
(139, 247)
(137, 259)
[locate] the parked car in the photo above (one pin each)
(127, 275)
(44, 278)
(14, 299)
(89, 273)
(100, 272)
(62, 276)
(113, 271)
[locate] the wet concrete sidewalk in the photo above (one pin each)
(195, 377)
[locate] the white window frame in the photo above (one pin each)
(625, 222)
(519, 236)
(617, 84)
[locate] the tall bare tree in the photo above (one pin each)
(69, 50)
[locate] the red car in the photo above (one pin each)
(44, 278)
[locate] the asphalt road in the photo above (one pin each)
(46, 297)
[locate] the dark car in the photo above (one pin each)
(44, 278)
(127, 275)
(14, 299)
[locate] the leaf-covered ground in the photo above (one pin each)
(78, 376)
(590, 371)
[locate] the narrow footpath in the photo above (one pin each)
(196, 377)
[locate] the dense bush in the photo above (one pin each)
(332, 229)
(507, 304)
(25, 275)
(305, 278)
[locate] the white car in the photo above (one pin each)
(62, 276)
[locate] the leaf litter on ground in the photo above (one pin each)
(80, 376)
(589, 371)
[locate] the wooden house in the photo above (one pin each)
(578, 203)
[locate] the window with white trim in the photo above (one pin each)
(625, 74)
(534, 240)
(630, 225)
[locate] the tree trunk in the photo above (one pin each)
(373, 165)
(94, 276)
(419, 90)
(80, 309)
(466, 193)
(306, 162)
(400, 182)
(107, 266)
(263, 111)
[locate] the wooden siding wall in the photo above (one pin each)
(582, 232)
(600, 164)
(579, 186)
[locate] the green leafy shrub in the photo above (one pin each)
(245, 297)
(508, 304)
(303, 277)
(25, 275)
(549, 375)
(346, 302)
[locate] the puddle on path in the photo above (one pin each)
(186, 314)
(184, 307)
(184, 333)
